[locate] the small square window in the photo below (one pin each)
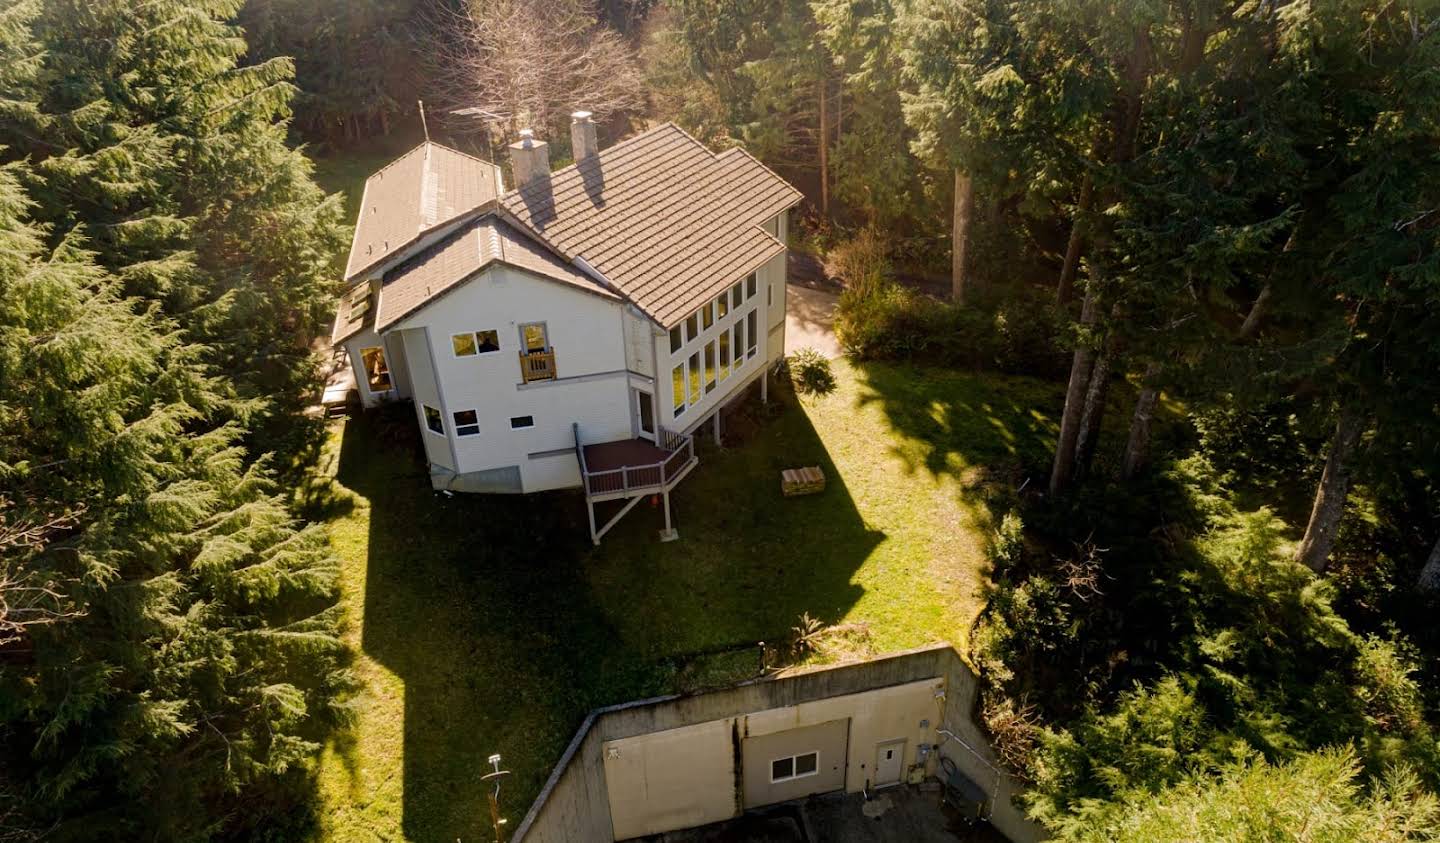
(736, 296)
(707, 314)
(521, 422)
(487, 341)
(675, 341)
(807, 763)
(433, 420)
(463, 345)
(467, 422)
(722, 306)
(691, 327)
(781, 769)
(750, 286)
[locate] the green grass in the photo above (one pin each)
(489, 624)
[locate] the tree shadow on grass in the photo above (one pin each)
(506, 626)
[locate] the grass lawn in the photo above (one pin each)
(489, 624)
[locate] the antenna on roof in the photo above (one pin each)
(423, 125)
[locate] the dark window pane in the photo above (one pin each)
(518, 422)
(692, 327)
(433, 420)
(782, 768)
(675, 339)
(487, 341)
(750, 285)
(805, 764)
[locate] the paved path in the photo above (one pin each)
(810, 320)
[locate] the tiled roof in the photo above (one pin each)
(472, 247)
(426, 187)
(661, 217)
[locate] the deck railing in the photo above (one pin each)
(537, 365)
(633, 478)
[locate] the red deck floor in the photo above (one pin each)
(607, 456)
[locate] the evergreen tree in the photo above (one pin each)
(142, 127)
(181, 652)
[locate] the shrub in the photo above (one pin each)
(810, 372)
(861, 263)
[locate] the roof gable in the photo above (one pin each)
(456, 258)
(426, 187)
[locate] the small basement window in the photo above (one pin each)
(433, 420)
(794, 767)
(467, 422)
(521, 422)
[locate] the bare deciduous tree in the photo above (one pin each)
(29, 598)
(533, 62)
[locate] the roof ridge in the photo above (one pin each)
(622, 145)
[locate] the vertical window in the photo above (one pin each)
(467, 422)
(735, 295)
(769, 295)
(694, 377)
(707, 315)
(709, 365)
(521, 422)
(377, 373)
(722, 306)
(691, 329)
(677, 387)
(750, 286)
(751, 335)
(433, 421)
(739, 342)
(675, 341)
(534, 337)
(724, 355)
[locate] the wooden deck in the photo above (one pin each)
(608, 456)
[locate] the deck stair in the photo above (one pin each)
(631, 470)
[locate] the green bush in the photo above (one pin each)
(810, 372)
(882, 320)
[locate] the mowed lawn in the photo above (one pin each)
(490, 624)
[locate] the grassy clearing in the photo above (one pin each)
(490, 624)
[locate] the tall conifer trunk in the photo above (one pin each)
(1093, 414)
(1319, 539)
(1065, 290)
(960, 234)
(1137, 445)
(1063, 470)
(824, 148)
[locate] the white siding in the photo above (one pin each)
(587, 334)
(427, 392)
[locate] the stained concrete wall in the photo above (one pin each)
(575, 804)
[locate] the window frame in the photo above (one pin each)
(425, 416)
(677, 339)
(525, 345)
(370, 376)
(514, 426)
(722, 305)
(711, 370)
(737, 356)
(751, 331)
(707, 316)
(752, 282)
(460, 428)
(677, 398)
(692, 326)
(794, 759)
(475, 338)
(737, 295)
(692, 380)
(723, 354)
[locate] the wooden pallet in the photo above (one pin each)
(802, 481)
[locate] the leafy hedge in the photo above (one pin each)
(882, 320)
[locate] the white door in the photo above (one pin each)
(889, 762)
(644, 409)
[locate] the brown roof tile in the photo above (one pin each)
(469, 249)
(426, 187)
(663, 218)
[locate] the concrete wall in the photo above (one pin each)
(575, 804)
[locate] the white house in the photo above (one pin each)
(576, 329)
